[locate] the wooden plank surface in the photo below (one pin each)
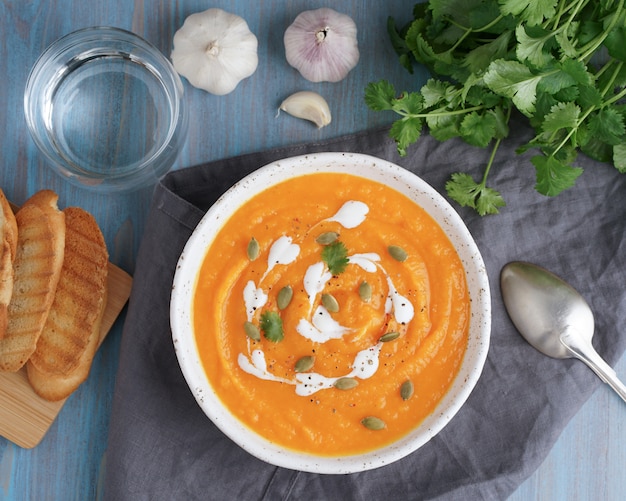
(25, 417)
(587, 461)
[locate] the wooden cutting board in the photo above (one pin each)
(24, 416)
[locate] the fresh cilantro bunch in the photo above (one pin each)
(558, 62)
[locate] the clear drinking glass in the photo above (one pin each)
(106, 108)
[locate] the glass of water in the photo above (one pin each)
(106, 109)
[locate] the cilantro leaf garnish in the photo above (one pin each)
(335, 256)
(489, 58)
(272, 326)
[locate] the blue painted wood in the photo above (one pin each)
(588, 460)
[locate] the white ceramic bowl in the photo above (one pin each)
(378, 170)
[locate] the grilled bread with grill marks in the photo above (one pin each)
(54, 387)
(66, 341)
(37, 268)
(8, 246)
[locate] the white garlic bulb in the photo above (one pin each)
(215, 50)
(322, 45)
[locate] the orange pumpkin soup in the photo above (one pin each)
(331, 314)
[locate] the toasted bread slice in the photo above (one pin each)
(54, 387)
(6, 285)
(8, 246)
(37, 266)
(9, 223)
(79, 298)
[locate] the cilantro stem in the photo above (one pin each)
(609, 84)
(469, 31)
(616, 97)
(494, 150)
(588, 49)
(575, 10)
(568, 136)
(492, 157)
(604, 68)
(444, 113)
(591, 109)
(564, 7)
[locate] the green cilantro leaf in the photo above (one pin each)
(608, 125)
(481, 14)
(554, 176)
(422, 50)
(533, 12)
(597, 149)
(577, 70)
(272, 326)
(436, 91)
(561, 116)
(443, 127)
(335, 256)
(589, 97)
(379, 96)
(468, 193)
(444, 8)
(399, 44)
(409, 103)
(616, 43)
(619, 157)
(533, 48)
(478, 130)
(480, 58)
(405, 132)
(502, 122)
(589, 29)
(553, 79)
(566, 40)
(515, 81)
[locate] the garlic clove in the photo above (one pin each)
(309, 106)
(322, 45)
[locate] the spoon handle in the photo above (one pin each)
(584, 350)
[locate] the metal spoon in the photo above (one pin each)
(553, 317)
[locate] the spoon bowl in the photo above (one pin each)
(540, 304)
(553, 317)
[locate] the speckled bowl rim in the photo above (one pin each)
(371, 168)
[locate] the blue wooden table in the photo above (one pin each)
(588, 460)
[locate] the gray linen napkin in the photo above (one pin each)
(162, 447)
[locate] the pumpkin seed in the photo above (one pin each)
(327, 238)
(406, 389)
(346, 383)
(330, 303)
(252, 331)
(398, 253)
(284, 297)
(253, 249)
(389, 336)
(365, 292)
(373, 423)
(304, 363)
